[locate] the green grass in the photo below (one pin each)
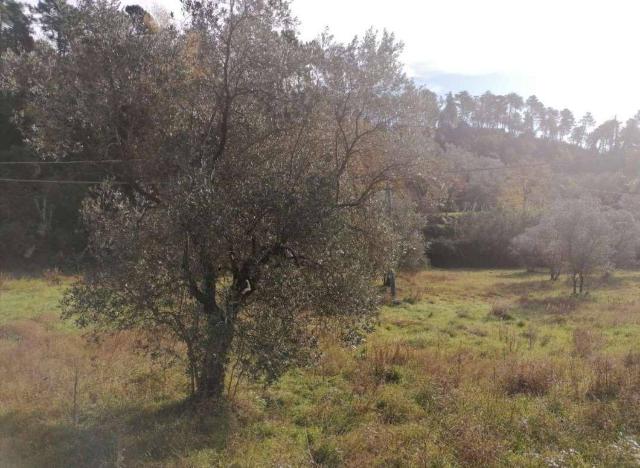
(28, 298)
(473, 368)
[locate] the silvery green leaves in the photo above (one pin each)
(254, 207)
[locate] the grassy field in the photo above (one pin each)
(473, 368)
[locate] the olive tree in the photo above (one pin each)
(625, 237)
(539, 246)
(579, 233)
(252, 209)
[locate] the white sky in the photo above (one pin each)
(581, 54)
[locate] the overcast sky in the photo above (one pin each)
(581, 54)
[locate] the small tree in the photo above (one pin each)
(579, 233)
(539, 246)
(625, 238)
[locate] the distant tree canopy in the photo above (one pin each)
(37, 222)
(518, 117)
(15, 27)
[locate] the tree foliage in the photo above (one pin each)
(253, 209)
(577, 235)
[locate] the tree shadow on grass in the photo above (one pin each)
(521, 274)
(124, 438)
(523, 287)
(593, 283)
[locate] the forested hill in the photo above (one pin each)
(512, 129)
(509, 160)
(494, 154)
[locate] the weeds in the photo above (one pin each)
(500, 311)
(529, 378)
(606, 382)
(52, 276)
(587, 342)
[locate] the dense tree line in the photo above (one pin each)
(38, 222)
(517, 116)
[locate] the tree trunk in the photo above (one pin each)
(210, 379)
(581, 282)
(574, 278)
(391, 282)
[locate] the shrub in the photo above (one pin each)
(528, 378)
(606, 382)
(52, 276)
(632, 359)
(395, 408)
(586, 342)
(384, 359)
(474, 239)
(430, 397)
(551, 305)
(413, 298)
(327, 455)
(500, 311)
(473, 445)
(4, 279)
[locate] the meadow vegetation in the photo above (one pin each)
(472, 368)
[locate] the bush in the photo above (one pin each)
(474, 239)
(586, 342)
(474, 445)
(384, 359)
(606, 382)
(326, 454)
(52, 276)
(528, 378)
(395, 408)
(500, 311)
(4, 279)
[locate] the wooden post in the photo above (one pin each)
(392, 284)
(75, 395)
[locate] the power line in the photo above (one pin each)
(102, 161)
(119, 161)
(68, 182)
(502, 168)
(48, 181)
(609, 192)
(458, 171)
(94, 182)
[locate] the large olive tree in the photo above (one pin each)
(252, 208)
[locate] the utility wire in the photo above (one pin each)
(502, 168)
(67, 181)
(102, 161)
(93, 182)
(48, 181)
(118, 161)
(609, 192)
